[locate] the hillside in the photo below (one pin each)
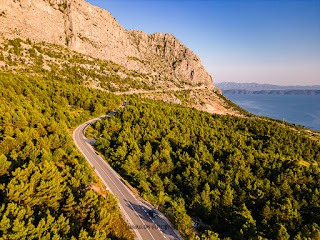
(92, 31)
(54, 60)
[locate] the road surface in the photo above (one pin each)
(134, 209)
(172, 89)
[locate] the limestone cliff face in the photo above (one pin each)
(93, 31)
(181, 62)
(75, 23)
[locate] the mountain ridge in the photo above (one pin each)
(259, 87)
(273, 92)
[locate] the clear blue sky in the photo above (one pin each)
(242, 41)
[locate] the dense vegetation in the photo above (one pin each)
(243, 177)
(46, 186)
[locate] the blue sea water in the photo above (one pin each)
(302, 110)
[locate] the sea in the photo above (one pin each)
(303, 110)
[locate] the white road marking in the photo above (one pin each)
(95, 163)
(92, 155)
(123, 210)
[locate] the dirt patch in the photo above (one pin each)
(206, 100)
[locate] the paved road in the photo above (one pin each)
(174, 89)
(134, 209)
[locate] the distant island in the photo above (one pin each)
(256, 88)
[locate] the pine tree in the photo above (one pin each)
(4, 165)
(282, 233)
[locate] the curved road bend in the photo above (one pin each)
(133, 208)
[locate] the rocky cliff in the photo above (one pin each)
(93, 31)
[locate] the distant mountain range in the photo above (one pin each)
(277, 92)
(256, 88)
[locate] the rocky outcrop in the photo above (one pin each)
(179, 59)
(93, 31)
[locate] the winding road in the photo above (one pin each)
(172, 89)
(133, 208)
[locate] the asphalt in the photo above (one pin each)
(134, 210)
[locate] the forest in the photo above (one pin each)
(47, 189)
(245, 178)
(239, 178)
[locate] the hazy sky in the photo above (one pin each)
(242, 41)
